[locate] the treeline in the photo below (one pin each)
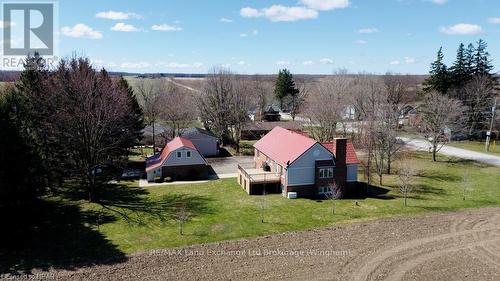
(470, 80)
(71, 123)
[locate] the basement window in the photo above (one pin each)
(326, 173)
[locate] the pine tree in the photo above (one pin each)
(136, 118)
(285, 86)
(459, 72)
(439, 79)
(482, 62)
(469, 59)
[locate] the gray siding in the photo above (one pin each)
(302, 171)
(195, 159)
(352, 173)
(206, 146)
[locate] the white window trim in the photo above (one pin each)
(188, 154)
(329, 173)
(179, 154)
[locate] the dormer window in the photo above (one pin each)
(188, 154)
(179, 154)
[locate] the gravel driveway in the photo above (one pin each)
(463, 245)
(453, 151)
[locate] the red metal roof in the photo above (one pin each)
(172, 145)
(351, 152)
(282, 145)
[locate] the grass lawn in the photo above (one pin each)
(477, 146)
(140, 154)
(221, 210)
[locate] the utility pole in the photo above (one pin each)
(488, 134)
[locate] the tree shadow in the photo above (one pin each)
(439, 176)
(362, 190)
(49, 234)
(134, 205)
(57, 234)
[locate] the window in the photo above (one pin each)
(188, 154)
(326, 173)
(179, 154)
(323, 190)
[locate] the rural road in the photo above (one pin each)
(421, 144)
(463, 245)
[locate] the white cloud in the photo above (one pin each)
(176, 65)
(255, 32)
(112, 15)
(395, 62)
(361, 42)
(249, 12)
(81, 30)
(243, 35)
(440, 2)
(282, 13)
(368, 30)
(241, 62)
(494, 20)
(308, 62)
(226, 20)
(326, 61)
(277, 13)
(282, 62)
(462, 29)
(135, 65)
(123, 27)
(325, 5)
(409, 60)
(165, 27)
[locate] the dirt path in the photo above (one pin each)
(451, 246)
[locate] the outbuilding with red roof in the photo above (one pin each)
(178, 160)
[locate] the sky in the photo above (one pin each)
(305, 36)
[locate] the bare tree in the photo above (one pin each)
(182, 216)
(91, 123)
(440, 115)
(479, 94)
(216, 103)
(263, 93)
(243, 101)
(333, 193)
(465, 184)
(296, 102)
(326, 106)
(406, 176)
(150, 92)
(176, 107)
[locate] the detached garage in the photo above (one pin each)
(179, 160)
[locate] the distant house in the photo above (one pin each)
(179, 160)
(271, 113)
(206, 142)
(256, 130)
(294, 164)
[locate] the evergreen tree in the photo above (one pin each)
(482, 62)
(459, 72)
(469, 59)
(285, 86)
(439, 79)
(136, 118)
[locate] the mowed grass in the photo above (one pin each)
(221, 210)
(478, 146)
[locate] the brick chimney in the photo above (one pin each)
(340, 163)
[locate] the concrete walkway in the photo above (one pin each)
(420, 144)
